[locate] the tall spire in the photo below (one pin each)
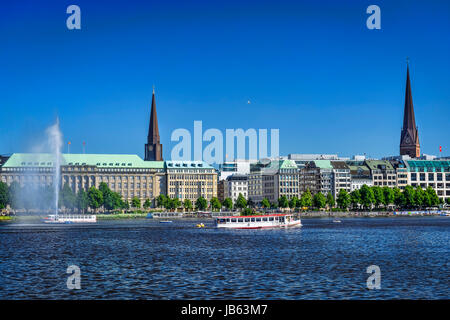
(153, 148)
(409, 139)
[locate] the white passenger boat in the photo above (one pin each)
(258, 222)
(70, 218)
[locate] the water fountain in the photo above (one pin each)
(54, 137)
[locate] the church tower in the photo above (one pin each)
(409, 139)
(153, 149)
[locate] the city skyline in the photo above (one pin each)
(99, 79)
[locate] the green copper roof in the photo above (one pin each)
(323, 164)
(428, 165)
(378, 164)
(98, 160)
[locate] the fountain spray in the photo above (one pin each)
(54, 137)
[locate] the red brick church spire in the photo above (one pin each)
(153, 147)
(409, 139)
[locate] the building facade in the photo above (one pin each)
(234, 185)
(341, 179)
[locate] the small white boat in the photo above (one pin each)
(70, 218)
(337, 221)
(165, 221)
(258, 222)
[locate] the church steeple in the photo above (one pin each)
(409, 139)
(153, 148)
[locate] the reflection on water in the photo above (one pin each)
(143, 259)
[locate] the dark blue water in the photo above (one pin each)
(143, 259)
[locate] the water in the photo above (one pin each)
(54, 139)
(143, 259)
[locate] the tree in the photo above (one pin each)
(319, 200)
(147, 204)
(176, 203)
(388, 196)
(419, 196)
(215, 204)
(161, 201)
(343, 199)
(95, 197)
(168, 203)
(355, 198)
(330, 200)
(201, 203)
(283, 202)
(410, 197)
(187, 204)
(378, 196)
(399, 198)
(136, 202)
(246, 212)
(306, 199)
(68, 197)
(448, 201)
(294, 202)
(433, 197)
(228, 203)
(367, 196)
(82, 201)
(4, 195)
(111, 200)
(250, 203)
(240, 203)
(15, 199)
(265, 203)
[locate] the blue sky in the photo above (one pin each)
(311, 69)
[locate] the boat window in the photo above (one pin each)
(240, 220)
(264, 219)
(258, 219)
(271, 219)
(221, 220)
(253, 219)
(247, 220)
(233, 220)
(228, 220)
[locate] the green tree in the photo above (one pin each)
(448, 201)
(95, 197)
(410, 196)
(161, 201)
(67, 197)
(147, 204)
(378, 196)
(4, 195)
(265, 203)
(136, 202)
(419, 197)
(228, 203)
(240, 203)
(294, 202)
(367, 197)
(399, 198)
(355, 198)
(215, 204)
(250, 203)
(306, 199)
(15, 199)
(82, 201)
(110, 201)
(187, 204)
(176, 203)
(246, 212)
(433, 197)
(283, 202)
(388, 198)
(343, 200)
(168, 203)
(330, 200)
(201, 204)
(319, 200)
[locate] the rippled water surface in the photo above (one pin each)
(144, 259)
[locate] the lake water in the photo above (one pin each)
(144, 259)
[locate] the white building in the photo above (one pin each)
(234, 185)
(238, 166)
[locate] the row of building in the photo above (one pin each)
(272, 179)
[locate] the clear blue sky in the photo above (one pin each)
(311, 69)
